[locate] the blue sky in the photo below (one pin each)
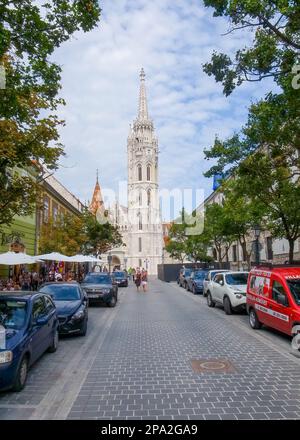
(171, 39)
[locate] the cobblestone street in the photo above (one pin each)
(135, 362)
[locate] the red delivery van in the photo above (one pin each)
(273, 299)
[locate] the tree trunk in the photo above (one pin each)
(220, 255)
(291, 250)
(245, 253)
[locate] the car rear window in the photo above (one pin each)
(97, 279)
(13, 313)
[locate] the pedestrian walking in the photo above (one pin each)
(144, 280)
(138, 280)
(35, 280)
(133, 274)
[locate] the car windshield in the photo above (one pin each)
(294, 286)
(236, 278)
(13, 313)
(97, 279)
(200, 275)
(187, 272)
(61, 292)
(119, 275)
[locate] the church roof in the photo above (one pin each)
(97, 204)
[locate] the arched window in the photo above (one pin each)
(148, 197)
(140, 222)
(139, 170)
(140, 198)
(148, 172)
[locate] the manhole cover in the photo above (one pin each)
(212, 365)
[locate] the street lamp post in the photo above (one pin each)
(109, 259)
(257, 234)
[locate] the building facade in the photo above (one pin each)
(56, 201)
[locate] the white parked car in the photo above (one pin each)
(208, 279)
(228, 289)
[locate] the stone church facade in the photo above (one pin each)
(140, 222)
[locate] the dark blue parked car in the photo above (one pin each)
(195, 281)
(31, 327)
(71, 304)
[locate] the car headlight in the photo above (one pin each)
(78, 315)
(6, 357)
(239, 295)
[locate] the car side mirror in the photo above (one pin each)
(282, 299)
(221, 283)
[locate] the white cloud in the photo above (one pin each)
(171, 39)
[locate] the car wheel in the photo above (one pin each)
(253, 320)
(194, 290)
(84, 328)
(210, 301)
(227, 306)
(54, 344)
(112, 302)
(21, 375)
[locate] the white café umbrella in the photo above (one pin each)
(84, 259)
(14, 258)
(54, 256)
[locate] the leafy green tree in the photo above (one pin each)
(175, 245)
(196, 249)
(30, 31)
(217, 230)
(243, 213)
(264, 157)
(182, 244)
(271, 183)
(101, 236)
(276, 41)
(65, 235)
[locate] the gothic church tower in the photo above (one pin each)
(145, 238)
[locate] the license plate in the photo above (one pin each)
(94, 296)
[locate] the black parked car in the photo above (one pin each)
(120, 278)
(100, 288)
(71, 304)
(195, 281)
(183, 277)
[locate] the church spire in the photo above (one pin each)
(97, 204)
(143, 107)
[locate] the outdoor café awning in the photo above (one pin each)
(13, 258)
(84, 259)
(54, 256)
